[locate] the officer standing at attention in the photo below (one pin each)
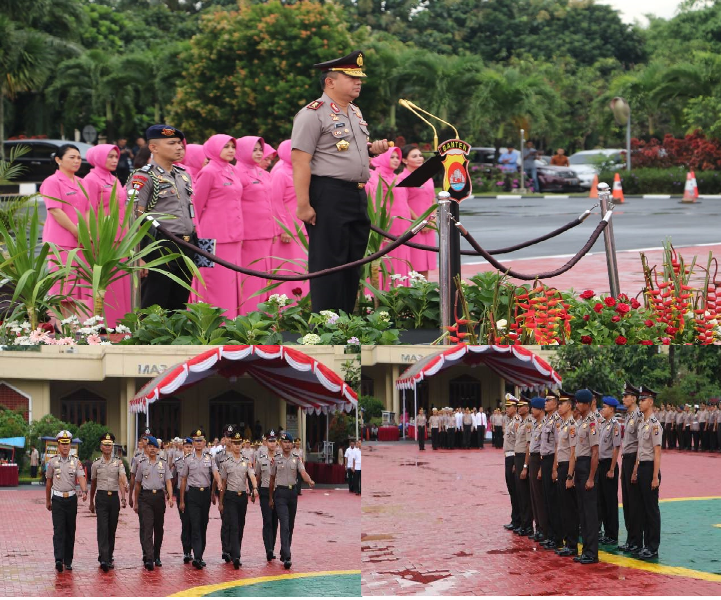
(550, 427)
(63, 472)
(107, 476)
(283, 476)
(184, 518)
(583, 465)
(228, 432)
(152, 479)
(533, 458)
(630, 494)
(509, 444)
(164, 189)
(647, 475)
(263, 464)
(608, 449)
(567, 434)
(235, 470)
(435, 423)
(421, 429)
(523, 425)
(199, 470)
(331, 165)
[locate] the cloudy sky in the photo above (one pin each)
(635, 9)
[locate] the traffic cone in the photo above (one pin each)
(689, 197)
(617, 189)
(594, 188)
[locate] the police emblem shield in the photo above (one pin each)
(456, 180)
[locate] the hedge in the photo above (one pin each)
(663, 181)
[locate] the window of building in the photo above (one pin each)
(367, 385)
(12, 399)
(165, 419)
(464, 391)
(232, 408)
(82, 406)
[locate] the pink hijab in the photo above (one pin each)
(97, 156)
(382, 164)
(268, 151)
(284, 158)
(244, 153)
(194, 159)
(212, 149)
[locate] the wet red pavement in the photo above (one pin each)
(432, 524)
(327, 530)
(591, 272)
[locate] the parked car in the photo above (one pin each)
(557, 179)
(39, 162)
(586, 163)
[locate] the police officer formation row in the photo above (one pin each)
(192, 480)
(220, 196)
(561, 470)
(687, 427)
(455, 428)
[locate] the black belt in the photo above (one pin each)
(108, 492)
(233, 492)
(356, 185)
(200, 489)
(285, 487)
(535, 454)
(583, 458)
(151, 491)
(548, 455)
(629, 455)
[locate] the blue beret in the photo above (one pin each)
(153, 441)
(621, 408)
(188, 441)
(538, 402)
(584, 396)
(285, 437)
(610, 401)
(163, 132)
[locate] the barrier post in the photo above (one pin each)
(445, 281)
(604, 198)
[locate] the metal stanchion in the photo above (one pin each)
(444, 259)
(604, 198)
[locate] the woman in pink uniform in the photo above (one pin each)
(259, 226)
(219, 215)
(99, 184)
(284, 205)
(384, 174)
(63, 195)
(420, 200)
(193, 160)
(268, 156)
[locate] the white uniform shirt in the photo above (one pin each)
(459, 420)
(482, 419)
(349, 457)
(355, 459)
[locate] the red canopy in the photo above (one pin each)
(296, 377)
(515, 364)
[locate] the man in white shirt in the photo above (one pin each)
(459, 427)
(356, 467)
(481, 424)
(349, 464)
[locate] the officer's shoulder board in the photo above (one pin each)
(97, 459)
(179, 458)
(315, 105)
(179, 167)
(146, 168)
(653, 419)
(143, 459)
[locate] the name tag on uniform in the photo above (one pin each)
(165, 186)
(70, 193)
(228, 183)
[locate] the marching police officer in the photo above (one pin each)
(199, 470)
(283, 476)
(533, 458)
(509, 444)
(550, 427)
(421, 429)
(140, 452)
(629, 492)
(62, 474)
(608, 449)
(152, 481)
(330, 168)
(647, 474)
(184, 517)
(523, 426)
(434, 423)
(263, 464)
(567, 434)
(235, 470)
(298, 452)
(107, 476)
(583, 465)
(163, 189)
(228, 432)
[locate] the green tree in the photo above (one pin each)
(48, 426)
(91, 433)
(372, 407)
(12, 423)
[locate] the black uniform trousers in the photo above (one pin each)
(339, 236)
(650, 513)
(715, 439)
(523, 491)
(481, 435)
(538, 508)
(498, 430)
(670, 436)
(451, 438)
(696, 438)
(569, 509)
(718, 435)
(151, 508)
(234, 509)
(349, 477)
(357, 481)
(442, 439)
(608, 493)
(286, 504)
(704, 436)
(631, 498)
(197, 504)
(184, 525)
(65, 513)
(224, 531)
(511, 486)
(157, 288)
(587, 506)
(421, 433)
(434, 437)
(270, 520)
(107, 509)
(466, 436)
(550, 499)
(687, 437)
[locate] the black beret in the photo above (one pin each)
(163, 132)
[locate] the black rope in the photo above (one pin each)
(548, 275)
(296, 276)
(570, 225)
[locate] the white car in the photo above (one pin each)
(585, 163)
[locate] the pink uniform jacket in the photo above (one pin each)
(193, 160)
(257, 205)
(420, 200)
(100, 182)
(59, 191)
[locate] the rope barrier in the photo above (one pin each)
(296, 276)
(570, 225)
(548, 275)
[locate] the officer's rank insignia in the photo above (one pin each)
(572, 433)
(630, 423)
(359, 60)
(334, 107)
(315, 105)
(168, 132)
(342, 146)
(584, 426)
(335, 117)
(565, 428)
(184, 178)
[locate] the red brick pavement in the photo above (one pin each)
(327, 531)
(432, 524)
(591, 272)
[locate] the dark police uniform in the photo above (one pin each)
(108, 475)
(421, 430)
(263, 464)
(538, 506)
(434, 422)
(62, 475)
(340, 167)
(219, 457)
(184, 516)
(586, 438)
(567, 434)
(165, 193)
(550, 426)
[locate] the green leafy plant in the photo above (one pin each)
(91, 433)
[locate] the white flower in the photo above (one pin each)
(415, 276)
(689, 315)
(354, 341)
(122, 329)
(280, 299)
(93, 321)
(398, 277)
(311, 339)
(369, 297)
(501, 324)
(71, 320)
(384, 316)
(87, 330)
(330, 317)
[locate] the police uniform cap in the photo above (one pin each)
(188, 440)
(236, 437)
(198, 434)
(153, 441)
(644, 392)
(538, 402)
(584, 396)
(629, 390)
(610, 401)
(511, 400)
(163, 132)
(228, 430)
(107, 439)
(64, 437)
(598, 395)
(351, 64)
(286, 438)
(270, 436)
